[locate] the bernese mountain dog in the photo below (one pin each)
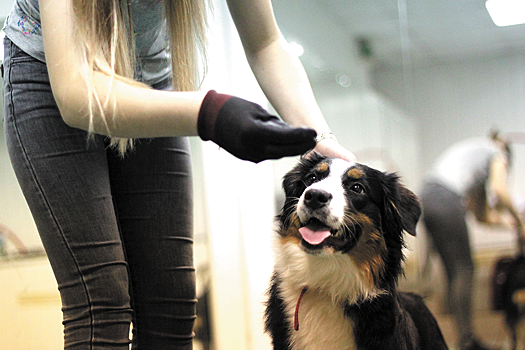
(339, 255)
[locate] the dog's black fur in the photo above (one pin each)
(370, 239)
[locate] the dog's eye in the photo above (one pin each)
(357, 188)
(310, 179)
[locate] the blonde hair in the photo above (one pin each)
(105, 44)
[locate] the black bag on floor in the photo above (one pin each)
(508, 287)
(499, 279)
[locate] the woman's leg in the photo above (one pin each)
(444, 218)
(153, 195)
(66, 184)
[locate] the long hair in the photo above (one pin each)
(104, 39)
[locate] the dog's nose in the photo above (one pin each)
(316, 198)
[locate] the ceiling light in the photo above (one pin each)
(506, 12)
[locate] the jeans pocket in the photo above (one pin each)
(26, 81)
(21, 67)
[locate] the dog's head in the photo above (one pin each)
(336, 208)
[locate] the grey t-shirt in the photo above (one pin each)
(465, 166)
(23, 28)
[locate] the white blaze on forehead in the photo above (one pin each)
(333, 185)
(340, 166)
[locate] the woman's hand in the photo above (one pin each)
(248, 131)
(329, 147)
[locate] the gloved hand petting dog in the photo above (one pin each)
(338, 260)
(249, 132)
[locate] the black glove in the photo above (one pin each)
(248, 132)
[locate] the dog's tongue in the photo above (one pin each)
(314, 236)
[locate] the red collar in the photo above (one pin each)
(296, 315)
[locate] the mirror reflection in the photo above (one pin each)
(399, 83)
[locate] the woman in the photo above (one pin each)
(469, 175)
(82, 75)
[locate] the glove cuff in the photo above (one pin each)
(208, 113)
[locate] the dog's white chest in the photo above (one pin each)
(322, 324)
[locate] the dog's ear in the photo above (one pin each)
(402, 203)
(408, 208)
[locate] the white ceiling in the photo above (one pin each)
(437, 31)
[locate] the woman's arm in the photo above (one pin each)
(142, 112)
(279, 73)
(497, 188)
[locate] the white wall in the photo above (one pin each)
(458, 100)
(462, 99)
(329, 49)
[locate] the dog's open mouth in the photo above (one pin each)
(317, 235)
(315, 231)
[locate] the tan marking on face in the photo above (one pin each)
(355, 173)
(290, 239)
(291, 234)
(322, 167)
(370, 249)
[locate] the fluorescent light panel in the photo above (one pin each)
(506, 12)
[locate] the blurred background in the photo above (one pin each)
(398, 82)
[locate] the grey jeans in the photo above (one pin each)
(117, 231)
(444, 218)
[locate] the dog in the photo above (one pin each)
(339, 255)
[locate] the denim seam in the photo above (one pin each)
(48, 206)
